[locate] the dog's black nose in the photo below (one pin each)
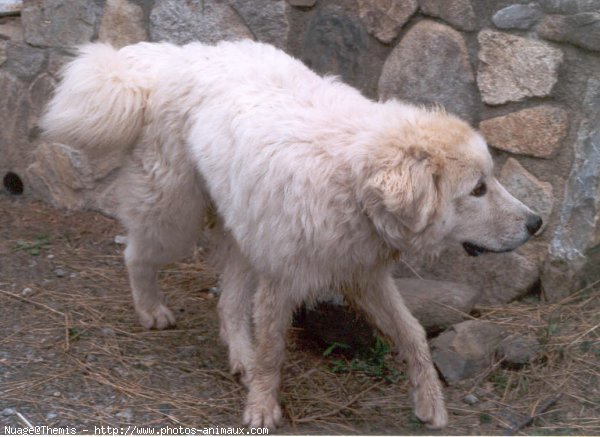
(533, 224)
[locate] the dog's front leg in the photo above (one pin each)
(272, 316)
(384, 305)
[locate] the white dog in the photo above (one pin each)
(312, 187)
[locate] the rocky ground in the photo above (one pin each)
(72, 353)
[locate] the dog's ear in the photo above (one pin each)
(408, 190)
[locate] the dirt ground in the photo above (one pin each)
(72, 353)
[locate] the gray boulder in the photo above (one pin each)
(60, 23)
(182, 22)
(574, 256)
(582, 30)
(431, 66)
(466, 349)
(438, 304)
(517, 16)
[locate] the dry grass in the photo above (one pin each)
(72, 353)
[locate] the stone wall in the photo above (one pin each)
(527, 74)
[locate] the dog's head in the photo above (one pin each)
(433, 186)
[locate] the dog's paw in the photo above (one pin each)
(429, 405)
(262, 412)
(160, 317)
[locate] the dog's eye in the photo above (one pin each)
(479, 190)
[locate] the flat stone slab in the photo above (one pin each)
(384, 18)
(582, 30)
(517, 16)
(537, 131)
(181, 22)
(431, 66)
(512, 68)
(458, 13)
(60, 23)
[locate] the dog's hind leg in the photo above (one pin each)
(272, 316)
(163, 215)
(384, 305)
(238, 285)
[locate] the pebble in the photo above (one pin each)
(73, 275)
(56, 394)
(27, 291)
(8, 411)
(120, 239)
(51, 416)
(108, 332)
(470, 399)
(126, 414)
(50, 256)
(60, 273)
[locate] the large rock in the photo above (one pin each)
(517, 16)
(431, 65)
(466, 349)
(537, 131)
(24, 61)
(437, 304)
(336, 43)
(60, 174)
(268, 23)
(569, 6)
(513, 68)
(2, 52)
(384, 18)
(574, 248)
(59, 23)
(583, 29)
(40, 91)
(537, 195)
(208, 21)
(516, 351)
(14, 116)
(122, 23)
(500, 277)
(459, 13)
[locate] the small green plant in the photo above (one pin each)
(499, 379)
(33, 247)
(415, 424)
(76, 333)
(335, 345)
(485, 418)
(585, 346)
(372, 363)
(544, 334)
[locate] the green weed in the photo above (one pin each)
(372, 363)
(33, 247)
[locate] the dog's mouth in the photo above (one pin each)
(476, 250)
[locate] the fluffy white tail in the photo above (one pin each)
(99, 103)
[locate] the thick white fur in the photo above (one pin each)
(308, 185)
